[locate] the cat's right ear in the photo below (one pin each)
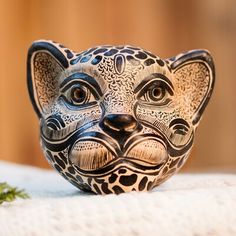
(46, 63)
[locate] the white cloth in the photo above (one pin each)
(187, 204)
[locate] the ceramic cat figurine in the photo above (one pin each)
(116, 119)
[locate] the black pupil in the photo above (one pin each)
(157, 93)
(78, 94)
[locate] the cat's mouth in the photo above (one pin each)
(93, 151)
(91, 155)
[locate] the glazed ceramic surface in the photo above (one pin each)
(116, 119)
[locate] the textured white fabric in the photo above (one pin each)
(187, 204)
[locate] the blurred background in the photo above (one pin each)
(165, 27)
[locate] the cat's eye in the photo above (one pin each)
(79, 95)
(156, 92)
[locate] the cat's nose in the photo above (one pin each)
(119, 123)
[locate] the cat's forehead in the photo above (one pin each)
(107, 62)
(119, 54)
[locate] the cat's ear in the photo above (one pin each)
(194, 76)
(46, 63)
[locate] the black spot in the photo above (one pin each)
(118, 189)
(122, 171)
(105, 188)
(100, 50)
(149, 62)
(141, 55)
(134, 48)
(62, 156)
(69, 175)
(112, 178)
(99, 181)
(89, 180)
(71, 170)
(160, 62)
(150, 185)
(173, 163)
(129, 51)
(89, 51)
(119, 63)
(111, 52)
(164, 170)
(69, 54)
(58, 168)
(96, 60)
(86, 58)
(76, 60)
(97, 189)
(59, 162)
(128, 180)
(79, 178)
(142, 183)
(150, 54)
(133, 61)
(61, 46)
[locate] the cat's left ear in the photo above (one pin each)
(194, 75)
(46, 64)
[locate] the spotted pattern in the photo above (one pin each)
(134, 122)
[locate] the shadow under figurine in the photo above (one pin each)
(116, 119)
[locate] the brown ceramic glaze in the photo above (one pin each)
(116, 119)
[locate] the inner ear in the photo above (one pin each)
(45, 65)
(194, 74)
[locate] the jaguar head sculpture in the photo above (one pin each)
(116, 119)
